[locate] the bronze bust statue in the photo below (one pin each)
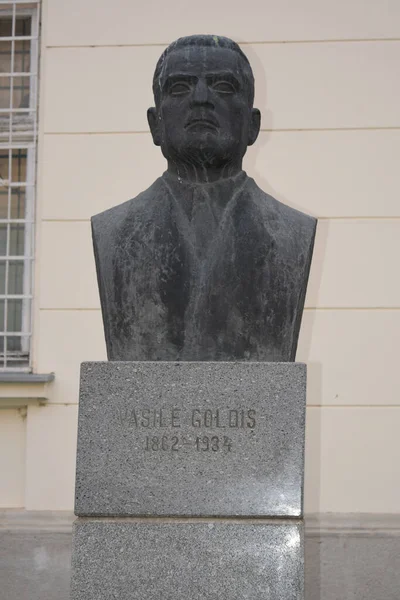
(203, 265)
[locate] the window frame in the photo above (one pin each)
(21, 139)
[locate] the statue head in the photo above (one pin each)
(203, 117)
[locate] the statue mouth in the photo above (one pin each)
(201, 123)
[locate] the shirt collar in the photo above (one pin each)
(222, 190)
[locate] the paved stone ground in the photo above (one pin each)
(346, 565)
(34, 566)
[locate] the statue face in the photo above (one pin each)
(204, 117)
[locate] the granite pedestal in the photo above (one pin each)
(189, 481)
(218, 560)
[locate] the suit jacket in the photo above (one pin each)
(165, 295)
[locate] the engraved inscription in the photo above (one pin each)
(149, 418)
(201, 444)
(210, 427)
(224, 419)
(162, 418)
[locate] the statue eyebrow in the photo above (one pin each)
(174, 77)
(210, 77)
(224, 76)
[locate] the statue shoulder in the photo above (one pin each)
(284, 217)
(107, 223)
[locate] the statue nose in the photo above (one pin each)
(201, 95)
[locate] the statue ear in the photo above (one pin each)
(255, 124)
(152, 118)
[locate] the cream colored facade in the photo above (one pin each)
(328, 86)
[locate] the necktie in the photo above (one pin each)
(204, 222)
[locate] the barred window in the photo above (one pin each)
(19, 31)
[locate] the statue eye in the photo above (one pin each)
(223, 87)
(179, 88)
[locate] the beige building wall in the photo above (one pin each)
(328, 86)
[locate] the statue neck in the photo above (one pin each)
(197, 174)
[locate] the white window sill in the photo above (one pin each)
(19, 389)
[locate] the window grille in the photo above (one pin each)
(19, 52)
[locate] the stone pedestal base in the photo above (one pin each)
(187, 559)
(180, 467)
(191, 439)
